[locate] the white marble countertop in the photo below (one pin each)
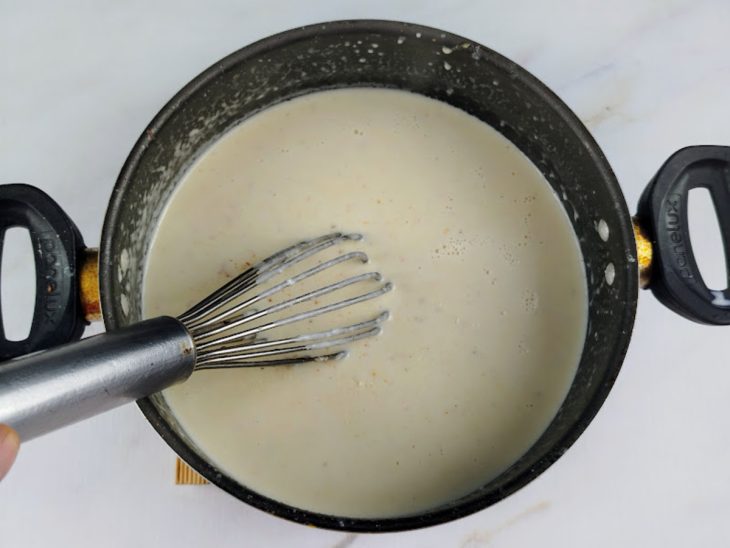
(79, 82)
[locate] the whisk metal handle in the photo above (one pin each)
(44, 391)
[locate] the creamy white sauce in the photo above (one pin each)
(488, 315)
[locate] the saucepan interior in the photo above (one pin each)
(422, 60)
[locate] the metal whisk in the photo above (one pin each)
(57, 387)
(211, 320)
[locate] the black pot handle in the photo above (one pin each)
(675, 279)
(58, 248)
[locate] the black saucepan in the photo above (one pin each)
(440, 65)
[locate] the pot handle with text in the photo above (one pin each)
(59, 250)
(662, 213)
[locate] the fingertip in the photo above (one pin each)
(9, 445)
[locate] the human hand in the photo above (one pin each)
(9, 444)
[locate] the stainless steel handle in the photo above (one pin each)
(53, 388)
